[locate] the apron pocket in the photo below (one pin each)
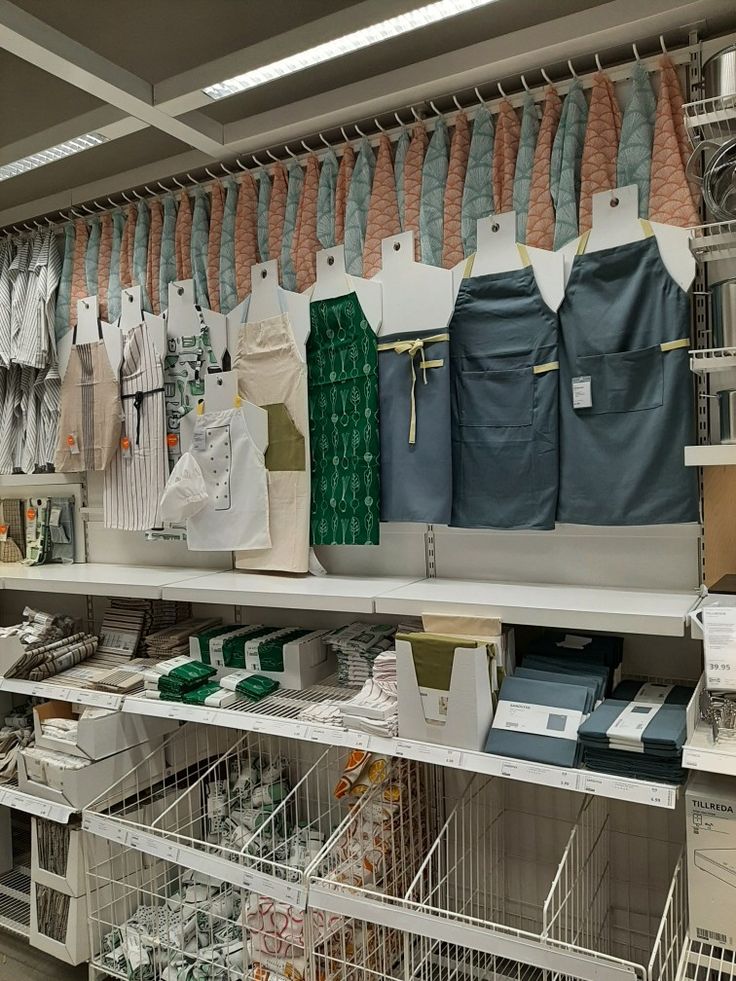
(285, 442)
(497, 399)
(630, 381)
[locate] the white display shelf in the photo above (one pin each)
(342, 594)
(95, 579)
(583, 781)
(64, 693)
(18, 800)
(711, 359)
(15, 901)
(701, 961)
(711, 119)
(718, 455)
(701, 753)
(714, 241)
(547, 605)
(11, 480)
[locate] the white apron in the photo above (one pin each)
(234, 471)
(271, 374)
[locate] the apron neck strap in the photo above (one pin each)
(523, 254)
(583, 243)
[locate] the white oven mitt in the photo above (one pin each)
(185, 493)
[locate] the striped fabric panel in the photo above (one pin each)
(87, 385)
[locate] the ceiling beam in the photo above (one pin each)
(31, 39)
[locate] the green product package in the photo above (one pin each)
(233, 648)
(203, 639)
(256, 687)
(198, 696)
(434, 656)
(271, 652)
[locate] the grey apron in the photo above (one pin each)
(625, 326)
(414, 418)
(503, 353)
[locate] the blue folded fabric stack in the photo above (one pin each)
(639, 732)
(605, 650)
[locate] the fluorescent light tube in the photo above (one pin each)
(431, 13)
(58, 152)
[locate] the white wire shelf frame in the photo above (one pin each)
(713, 241)
(705, 962)
(711, 119)
(202, 815)
(519, 892)
(709, 359)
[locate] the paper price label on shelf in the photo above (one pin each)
(719, 640)
(567, 780)
(358, 740)
(592, 785)
(440, 755)
(582, 396)
(39, 691)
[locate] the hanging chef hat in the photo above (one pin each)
(185, 493)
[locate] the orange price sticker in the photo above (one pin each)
(125, 443)
(31, 514)
(172, 439)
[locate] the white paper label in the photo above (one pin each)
(574, 642)
(653, 693)
(582, 397)
(719, 637)
(537, 720)
(55, 517)
(628, 728)
(434, 705)
(199, 440)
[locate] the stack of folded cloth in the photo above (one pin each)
(183, 679)
(356, 647)
(252, 686)
(174, 641)
(15, 735)
(375, 709)
(562, 647)
(639, 732)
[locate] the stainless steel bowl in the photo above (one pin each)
(723, 313)
(719, 73)
(727, 414)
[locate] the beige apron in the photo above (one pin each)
(272, 374)
(91, 413)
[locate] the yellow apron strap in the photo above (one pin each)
(542, 369)
(675, 345)
(583, 243)
(648, 230)
(412, 346)
(523, 252)
(467, 271)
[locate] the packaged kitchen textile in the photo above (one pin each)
(356, 646)
(538, 721)
(586, 680)
(174, 640)
(209, 694)
(179, 675)
(252, 686)
(605, 649)
(649, 691)
(572, 666)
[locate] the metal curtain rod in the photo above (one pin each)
(619, 72)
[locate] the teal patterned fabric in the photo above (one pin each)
(356, 208)
(402, 145)
(478, 187)
(525, 164)
(198, 245)
(64, 295)
(326, 200)
(140, 253)
(567, 152)
(637, 134)
(167, 269)
(92, 256)
(432, 201)
(113, 285)
(293, 194)
(264, 199)
(228, 291)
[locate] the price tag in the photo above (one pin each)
(38, 691)
(592, 785)
(172, 712)
(246, 879)
(358, 740)
(3, 533)
(44, 810)
(171, 853)
(55, 517)
(719, 640)
(64, 694)
(509, 770)
(568, 780)
(582, 396)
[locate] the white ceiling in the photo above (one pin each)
(133, 71)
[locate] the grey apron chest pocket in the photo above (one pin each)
(629, 381)
(497, 399)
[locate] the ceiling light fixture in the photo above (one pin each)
(431, 13)
(66, 149)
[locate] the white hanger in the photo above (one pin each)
(333, 280)
(88, 313)
(267, 299)
(183, 318)
(221, 394)
(416, 296)
(498, 252)
(615, 222)
(131, 314)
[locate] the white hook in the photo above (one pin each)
(359, 131)
(572, 70)
(100, 207)
(228, 172)
(457, 104)
(256, 160)
(272, 156)
(239, 164)
(598, 64)
(147, 188)
(398, 119)
(76, 213)
(209, 173)
(49, 222)
(546, 77)
(137, 195)
(344, 134)
(85, 208)
(305, 146)
(290, 152)
(165, 189)
(479, 97)
(328, 145)
(636, 51)
(378, 126)
(28, 227)
(178, 184)
(128, 199)
(523, 82)
(500, 89)
(663, 45)
(415, 114)
(66, 216)
(112, 202)
(434, 108)
(189, 177)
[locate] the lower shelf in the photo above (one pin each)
(701, 961)
(718, 455)
(702, 753)
(15, 901)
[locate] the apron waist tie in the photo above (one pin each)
(413, 348)
(137, 403)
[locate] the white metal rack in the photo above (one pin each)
(714, 241)
(711, 119)
(717, 455)
(706, 360)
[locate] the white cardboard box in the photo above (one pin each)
(465, 711)
(307, 662)
(100, 732)
(78, 788)
(72, 881)
(74, 948)
(710, 814)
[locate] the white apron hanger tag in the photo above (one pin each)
(268, 299)
(221, 393)
(416, 296)
(333, 280)
(181, 317)
(132, 314)
(88, 312)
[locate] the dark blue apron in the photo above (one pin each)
(625, 329)
(414, 417)
(503, 353)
